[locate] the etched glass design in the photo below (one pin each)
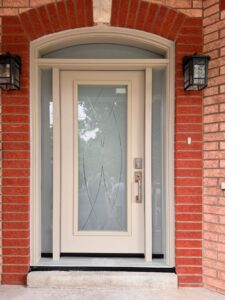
(102, 147)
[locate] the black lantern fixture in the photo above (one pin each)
(195, 70)
(10, 69)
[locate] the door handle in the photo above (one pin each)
(138, 181)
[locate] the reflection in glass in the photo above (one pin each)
(102, 136)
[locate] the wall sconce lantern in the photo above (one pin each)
(195, 70)
(10, 69)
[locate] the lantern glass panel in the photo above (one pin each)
(199, 71)
(4, 73)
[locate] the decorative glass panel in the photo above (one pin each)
(46, 160)
(158, 161)
(102, 147)
(98, 51)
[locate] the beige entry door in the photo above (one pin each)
(102, 133)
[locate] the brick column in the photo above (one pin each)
(214, 147)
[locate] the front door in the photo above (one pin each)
(102, 149)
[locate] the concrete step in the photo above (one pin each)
(81, 279)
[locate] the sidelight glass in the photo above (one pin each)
(158, 160)
(46, 160)
(102, 157)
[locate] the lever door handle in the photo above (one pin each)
(138, 181)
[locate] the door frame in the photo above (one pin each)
(89, 35)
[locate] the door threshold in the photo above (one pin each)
(128, 264)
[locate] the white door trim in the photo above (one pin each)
(148, 164)
(56, 164)
(88, 35)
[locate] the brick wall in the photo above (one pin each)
(192, 8)
(214, 147)
(26, 25)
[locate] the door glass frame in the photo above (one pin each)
(128, 159)
(36, 64)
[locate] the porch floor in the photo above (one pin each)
(101, 262)
(23, 293)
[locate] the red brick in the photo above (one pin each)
(187, 217)
(191, 31)
(190, 279)
(15, 226)
(89, 12)
(188, 261)
(189, 235)
(188, 155)
(188, 182)
(15, 251)
(10, 21)
(189, 40)
(188, 243)
(182, 137)
(45, 21)
(157, 24)
(23, 243)
(188, 270)
(222, 4)
(80, 12)
(10, 234)
(15, 199)
(188, 173)
(189, 252)
(188, 226)
(15, 155)
(72, 18)
(27, 25)
(176, 26)
(54, 19)
(15, 269)
(142, 15)
(132, 13)
(37, 24)
(15, 146)
(15, 137)
(189, 119)
(17, 260)
(153, 11)
(12, 30)
(63, 18)
(168, 23)
(188, 128)
(14, 278)
(15, 118)
(15, 181)
(15, 109)
(188, 164)
(123, 11)
(16, 164)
